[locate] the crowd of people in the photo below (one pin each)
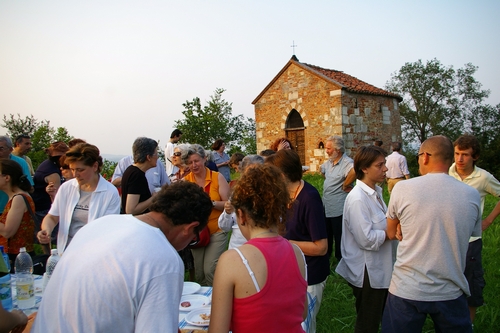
(264, 241)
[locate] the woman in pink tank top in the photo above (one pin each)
(260, 286)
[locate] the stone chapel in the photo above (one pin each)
(307, 104)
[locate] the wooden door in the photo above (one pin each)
(296, 137)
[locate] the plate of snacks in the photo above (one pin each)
(190, 288)
(191, 302)
(198, 317)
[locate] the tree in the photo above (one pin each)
(486, 128)
(204, 125)
(41, 133)
(436, 99)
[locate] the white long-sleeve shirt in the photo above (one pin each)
(363, 238)
(228, 222)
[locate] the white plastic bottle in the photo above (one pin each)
(52, 262)
(24, 280)
(51, 265)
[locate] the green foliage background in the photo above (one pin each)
(215, 120)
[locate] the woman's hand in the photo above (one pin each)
(43, 236)
(228, 208)
(51, 190)
(283, 145)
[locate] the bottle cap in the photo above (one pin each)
(23, 249)
(53, 252)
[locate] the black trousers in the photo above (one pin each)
(370, 305)
(334, 232)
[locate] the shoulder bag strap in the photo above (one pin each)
(45, 247)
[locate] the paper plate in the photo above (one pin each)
(190, 288)
(194, 301)
(195, 317)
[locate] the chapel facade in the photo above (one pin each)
(307, 104)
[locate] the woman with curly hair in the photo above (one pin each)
(252, 283)
(80, 200)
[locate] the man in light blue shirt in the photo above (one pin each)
(6, 153)
(336, 172)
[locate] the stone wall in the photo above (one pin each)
(326, 110)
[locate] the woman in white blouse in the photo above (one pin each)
(80, 200)
(366, 253)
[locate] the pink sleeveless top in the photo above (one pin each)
(279, 305)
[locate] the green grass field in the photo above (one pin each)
(337, 313)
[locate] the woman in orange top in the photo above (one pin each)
(205, 258)
(17, 227)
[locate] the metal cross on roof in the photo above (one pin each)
(293, 46)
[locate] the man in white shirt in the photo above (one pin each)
(122, 273)
(169, 150)
(467, 150)
(157, 176)
(397, 167)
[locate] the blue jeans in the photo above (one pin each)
(406, 316)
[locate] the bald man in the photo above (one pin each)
(436, 215)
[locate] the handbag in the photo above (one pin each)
(45, 247)
(204, 236)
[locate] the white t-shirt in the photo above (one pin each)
(119, 275)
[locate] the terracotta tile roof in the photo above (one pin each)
(350, 83)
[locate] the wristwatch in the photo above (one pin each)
(213, 203)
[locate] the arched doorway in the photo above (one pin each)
(294, 130)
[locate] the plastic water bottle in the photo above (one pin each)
(51, 265)
(25, 286)
(52, 262)
(5, 282)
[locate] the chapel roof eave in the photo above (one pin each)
(345, 81)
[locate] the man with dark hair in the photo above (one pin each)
(6, 153)
(436, 215)
(397, 167)
(169, 151)
(122, 273)
(22, 145)
(467, 150)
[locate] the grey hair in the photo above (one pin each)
(249, 160)
(210, 156)
(194, 149)
(7, 140)
(143, 147)
(338, 142)
(183, 148)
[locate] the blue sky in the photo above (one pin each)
(110, 71)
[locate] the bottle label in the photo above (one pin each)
(25, 291)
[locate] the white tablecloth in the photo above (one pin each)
(206, 291)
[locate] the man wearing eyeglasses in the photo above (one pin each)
(436, 215)
(6, 153)
(397, 167)
(122, 273)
